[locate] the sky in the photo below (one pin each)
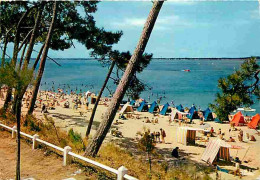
(183, 29)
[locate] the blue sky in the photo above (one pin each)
(183, 29)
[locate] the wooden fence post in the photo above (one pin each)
(13, 132)
(121, 172)
(66, 157)
(34, 145)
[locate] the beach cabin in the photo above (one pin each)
(216, 149)
(238, 119)
(143, 107)
(127, 108)
(255, 122)
(208, 116)
(166, 109)
(154, 107)
(180, 108)
(93, 99)
(187, 135)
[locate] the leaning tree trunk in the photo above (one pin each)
(22, 56)
(94, 146)
(38, 58)
(43, 61)
(98, 98)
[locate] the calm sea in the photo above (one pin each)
(165, 77)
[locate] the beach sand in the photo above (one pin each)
(71, 118)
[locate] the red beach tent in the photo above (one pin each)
(238, 119)
(254, 122)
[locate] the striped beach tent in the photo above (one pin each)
(216, 148)
(187, 135)
(127, 108)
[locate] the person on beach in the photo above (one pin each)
(175, 152)
(163, 135)
(157, 135)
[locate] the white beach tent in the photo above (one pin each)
(127, 108)
(187, 135)
(216, 147)
(173, 113)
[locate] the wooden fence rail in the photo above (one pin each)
(121, 172)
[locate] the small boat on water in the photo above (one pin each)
(186, 70)
(249, 109)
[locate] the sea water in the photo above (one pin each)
(166, 79)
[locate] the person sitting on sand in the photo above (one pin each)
(231, 139)
(175, 152)
(66, 104)
(211, 131)
(156, 120)
(147, 120)
(252, 138)
(219, 131)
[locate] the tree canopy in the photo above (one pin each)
(237, 89)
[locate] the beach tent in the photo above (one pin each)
(127, 108)
(180, 108)
(143, 106)
(254, 122)
(238, 119)
(174, 114)
(216, 120)
(187, 135)
(154, 106)
(192, 112)
(132, 102)
(165, 109)
(208, 115)
(216, 148)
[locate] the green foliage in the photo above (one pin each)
(30, 122)
(238, 89)
(77, 140)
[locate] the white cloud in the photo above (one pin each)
(161, 23)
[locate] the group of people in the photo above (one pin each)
(159, 136)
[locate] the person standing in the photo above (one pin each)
(163, 135)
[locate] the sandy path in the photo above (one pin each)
(34, 163)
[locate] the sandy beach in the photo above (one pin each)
(67, 118)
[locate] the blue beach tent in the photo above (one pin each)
(143, 106)
(153, 107)
(164, 109)
(208, 115)
(180, 108)
(132, 102)
(191, 113)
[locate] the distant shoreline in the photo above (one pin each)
(224, 58)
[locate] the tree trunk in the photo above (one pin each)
(94, 146)
(15, 55)
(98, 98)
(43, 61)
(32, 40)
(38, 58)
(18, 155)
(21, 59)
(4, 50)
